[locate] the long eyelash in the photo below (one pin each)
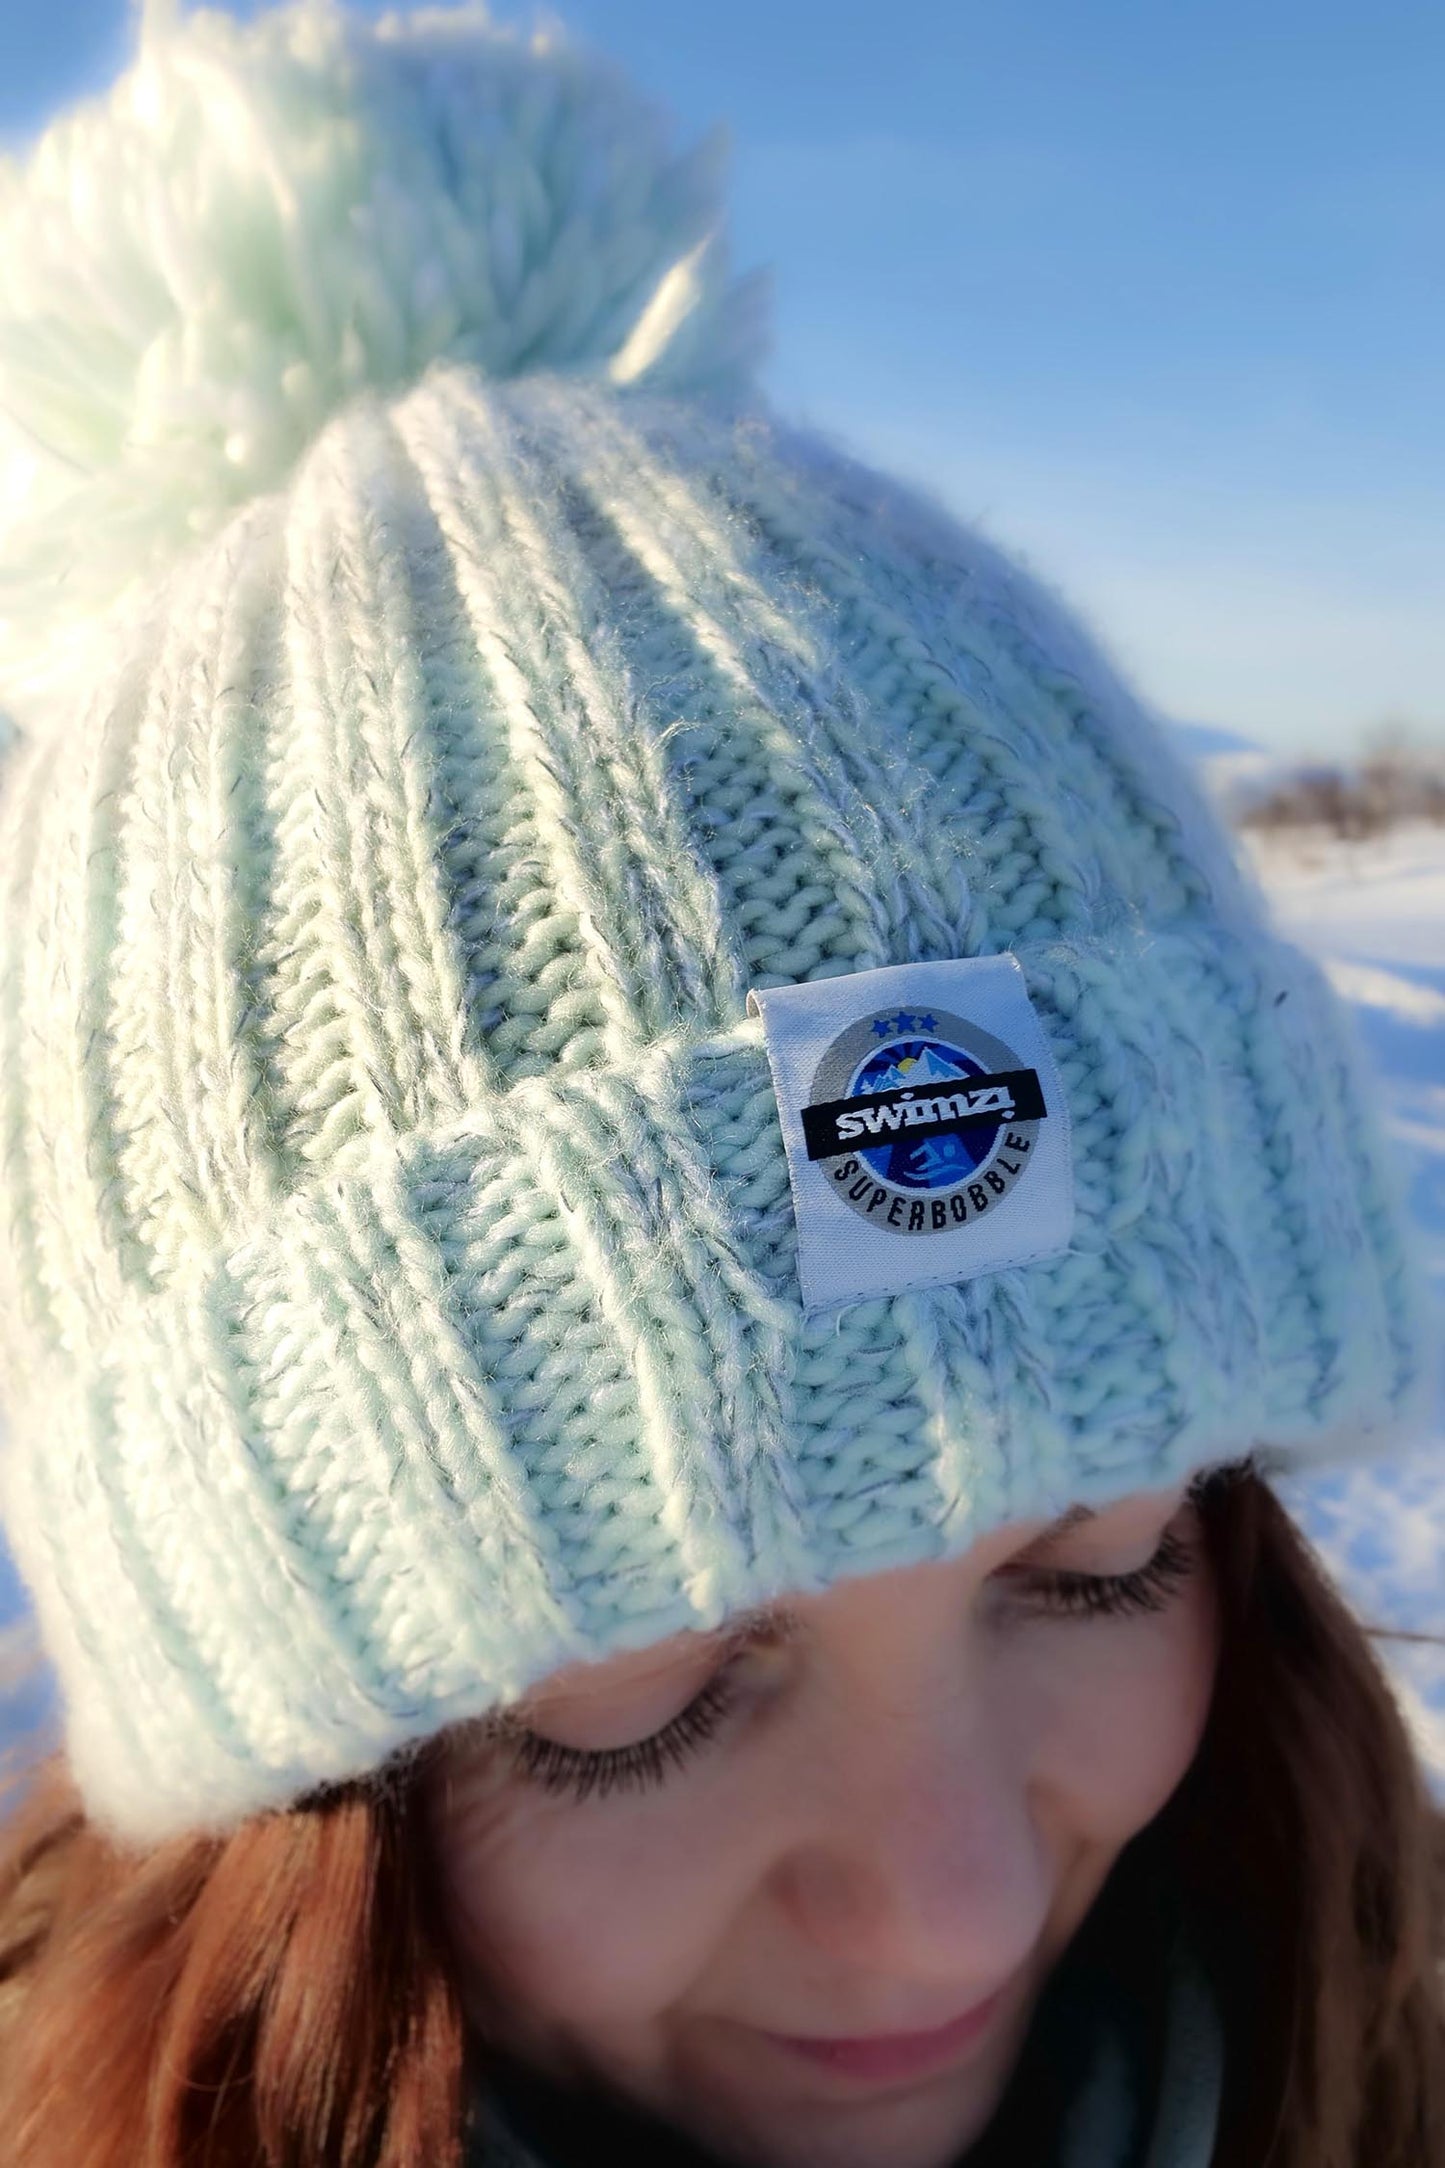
(1151, 1587)
(584, 1771)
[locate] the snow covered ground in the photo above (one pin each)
(1374, 912)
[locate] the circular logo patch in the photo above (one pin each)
(925, 1121)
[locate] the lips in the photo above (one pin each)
(879, 2058)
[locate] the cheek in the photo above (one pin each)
(1116, 1709)
(579, 1926)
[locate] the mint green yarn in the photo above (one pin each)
(397, 1264)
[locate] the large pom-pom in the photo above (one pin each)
(261, 219)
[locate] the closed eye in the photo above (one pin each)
(1150, 1587)
(585, 1771)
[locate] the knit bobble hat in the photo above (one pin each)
(512, 844)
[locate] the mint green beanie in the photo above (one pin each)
(512, 844)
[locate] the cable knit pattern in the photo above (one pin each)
(398, 1284)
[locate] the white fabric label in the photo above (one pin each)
(925, 1124)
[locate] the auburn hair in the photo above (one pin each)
(284, 1997)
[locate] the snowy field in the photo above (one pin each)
(1375, 913)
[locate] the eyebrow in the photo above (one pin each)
(773, 1621)
(1066, 1521)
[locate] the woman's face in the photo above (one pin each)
(737, 1880)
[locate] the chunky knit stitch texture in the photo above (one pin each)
(397, 1260)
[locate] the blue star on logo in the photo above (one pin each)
(905, 1020)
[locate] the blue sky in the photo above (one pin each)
(1155, 294)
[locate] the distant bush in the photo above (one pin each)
(1394, 783)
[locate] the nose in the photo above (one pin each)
(914, 1856)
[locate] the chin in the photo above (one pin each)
(926, 2127)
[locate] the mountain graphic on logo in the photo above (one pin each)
(928, 1066)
